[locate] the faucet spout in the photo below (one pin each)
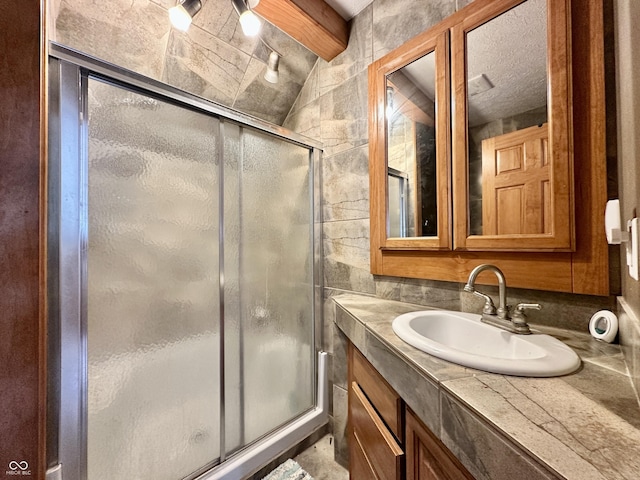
(503, 310)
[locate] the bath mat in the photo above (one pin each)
(289, 470)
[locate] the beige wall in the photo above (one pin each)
(627, 40)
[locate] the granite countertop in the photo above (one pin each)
(585, 425)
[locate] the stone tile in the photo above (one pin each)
(328, 317)
(560, 425)
(343, 114)
(605, 355)
(305, 121)
(388, 287)
(298, 60)
(378, 316)
(218, 18)
(132, 34)
(310, 91)
(346, 253)
(265, 100)
(272, 102)
(345, 185)
(355, 59)
(562, 310)
(340, 416)
(445, 295)
(340, 369)
(353, 330)
(201, 64)
(483, 452)
(613, 390)
(420, 393)
(396, 21)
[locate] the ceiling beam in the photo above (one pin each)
(313, 23)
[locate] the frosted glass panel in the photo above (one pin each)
(153, 306)
(268, 283)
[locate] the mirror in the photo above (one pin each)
(512, 152)
(509, 188)
(410, 142)
(537, 248)
(412, 202)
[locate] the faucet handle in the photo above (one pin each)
(489, 307)
(519, 315)
(519, 319)
(521, 307)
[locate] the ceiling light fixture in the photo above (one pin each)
(390, 106)
(249, 21)
(182, 14)
(271, 75)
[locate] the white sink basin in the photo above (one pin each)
(463, 339)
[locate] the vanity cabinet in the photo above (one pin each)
(386, 440)
(375, 423)
(450, 189)
(427, 457)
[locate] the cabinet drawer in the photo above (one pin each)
(384, 399)
(382, 451)
(359, 466)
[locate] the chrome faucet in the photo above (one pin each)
(500, 317)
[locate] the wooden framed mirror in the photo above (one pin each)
(410, 187)
(561, 261)
(512, 143)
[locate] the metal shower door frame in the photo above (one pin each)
(69, 72)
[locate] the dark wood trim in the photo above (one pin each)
(22, 278)
(589, 118)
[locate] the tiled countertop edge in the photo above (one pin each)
(547, 420)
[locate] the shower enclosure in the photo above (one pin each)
(184, 264)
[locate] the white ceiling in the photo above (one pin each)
(348, 8)
(510, 52)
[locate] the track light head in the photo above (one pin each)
(182, 14)
(272, 75)
(249, 21)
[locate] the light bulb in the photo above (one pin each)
(271, 75)
(180, 18)
(250, 23)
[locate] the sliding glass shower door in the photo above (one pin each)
(268, 284)
(186, 265)
(153, 296)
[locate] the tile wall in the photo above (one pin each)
(332, 107)
(213, 59)
(325, 101)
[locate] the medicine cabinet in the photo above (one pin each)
(474, 154)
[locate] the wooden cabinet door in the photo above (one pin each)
(381, 451)
(427, 457)
(516, 191)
